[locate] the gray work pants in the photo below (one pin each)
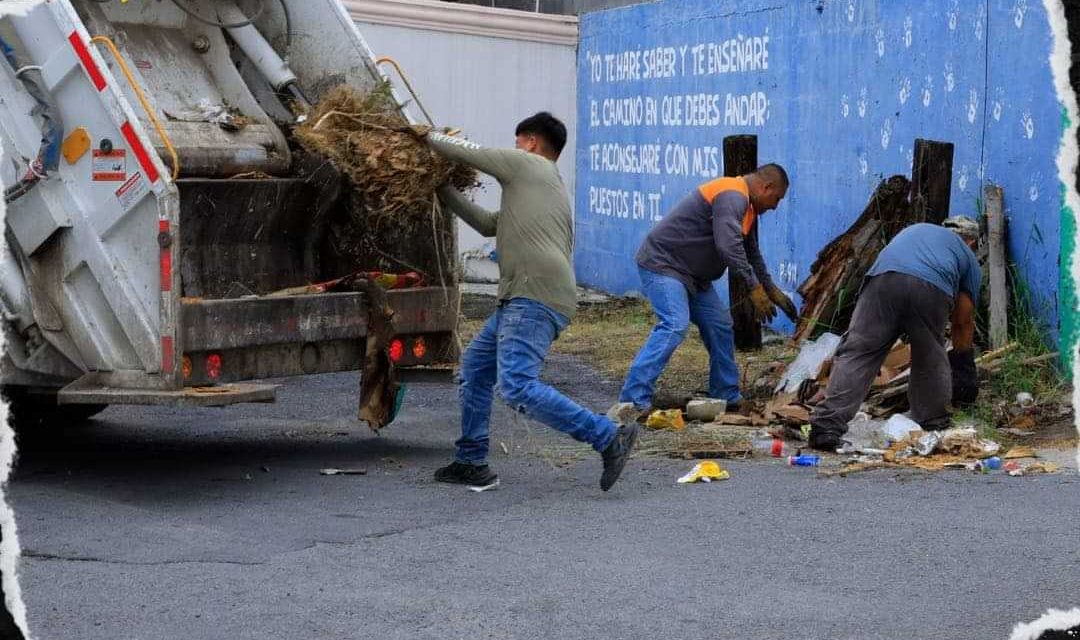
(891, 304)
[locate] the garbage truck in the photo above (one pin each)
(166, 240)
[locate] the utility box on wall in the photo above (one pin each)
(837, 93)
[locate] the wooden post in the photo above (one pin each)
(999, 292)
(931, 179)
(740, 158)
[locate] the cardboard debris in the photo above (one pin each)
(1019, 452)
(1042, 467)
(736, 419)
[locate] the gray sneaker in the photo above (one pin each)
(617, 453)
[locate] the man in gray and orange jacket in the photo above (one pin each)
(706, 234)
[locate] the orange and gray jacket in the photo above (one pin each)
(705, 234)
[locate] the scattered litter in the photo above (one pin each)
(505, 449)
(1014, 469)
(247, 476)
(1025, 399)
(807, 364)
(804, 432)
(486, 487)
(777, 448)
(343, 472)
(865, 432)
(1042, 467)
(1020, 452)
(928, 442)
(705, 471)
(265, 469)
(805, 460)
(992, 463)
(671, 419)
(705, 409)
(965, 441)
(899, 426)
(207, 111)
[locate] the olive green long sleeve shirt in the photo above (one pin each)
(533, 228)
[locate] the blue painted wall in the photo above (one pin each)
(836, 91)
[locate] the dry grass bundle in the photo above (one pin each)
(395, 173)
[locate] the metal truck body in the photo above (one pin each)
(145, 239)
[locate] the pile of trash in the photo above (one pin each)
(395, 173)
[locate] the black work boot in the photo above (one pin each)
(469, 474)
(824, 440)
(617, 453)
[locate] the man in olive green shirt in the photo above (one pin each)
(534, 239)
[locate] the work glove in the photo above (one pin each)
(764, 310)
(965, 378)
(784, 302)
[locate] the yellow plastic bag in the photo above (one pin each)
(666, 419)
(705, 471)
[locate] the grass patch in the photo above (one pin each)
(996, 407)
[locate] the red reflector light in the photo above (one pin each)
(397, 350)
(419, 348)
(213, 366)
(185, 365)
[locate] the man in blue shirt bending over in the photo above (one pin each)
(926, 272)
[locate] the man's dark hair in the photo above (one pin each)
(773, 171)
(549, 128)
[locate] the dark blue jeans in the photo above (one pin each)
(675, 307)
(510, 351)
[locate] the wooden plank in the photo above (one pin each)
(999, 292)
(740, 158)
(830, 291)
(931, 179)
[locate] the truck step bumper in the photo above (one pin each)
(218, 396)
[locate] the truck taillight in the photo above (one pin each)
(397, 350)
(213, 366)
(419, 348)
(185, 366)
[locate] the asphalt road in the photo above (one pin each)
(215, 524)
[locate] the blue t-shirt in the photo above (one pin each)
(934, 254)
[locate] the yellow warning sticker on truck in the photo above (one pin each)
(109, 166)
(131, 192)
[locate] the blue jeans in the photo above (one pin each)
(510, 351)
(676, 307)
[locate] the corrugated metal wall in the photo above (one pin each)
(485, 85)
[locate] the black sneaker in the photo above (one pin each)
(824, 440)
(469, 474)
(617, 453)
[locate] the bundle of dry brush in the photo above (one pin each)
(394, 172)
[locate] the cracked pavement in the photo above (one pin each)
(215, 523)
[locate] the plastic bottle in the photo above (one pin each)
(805, 460)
